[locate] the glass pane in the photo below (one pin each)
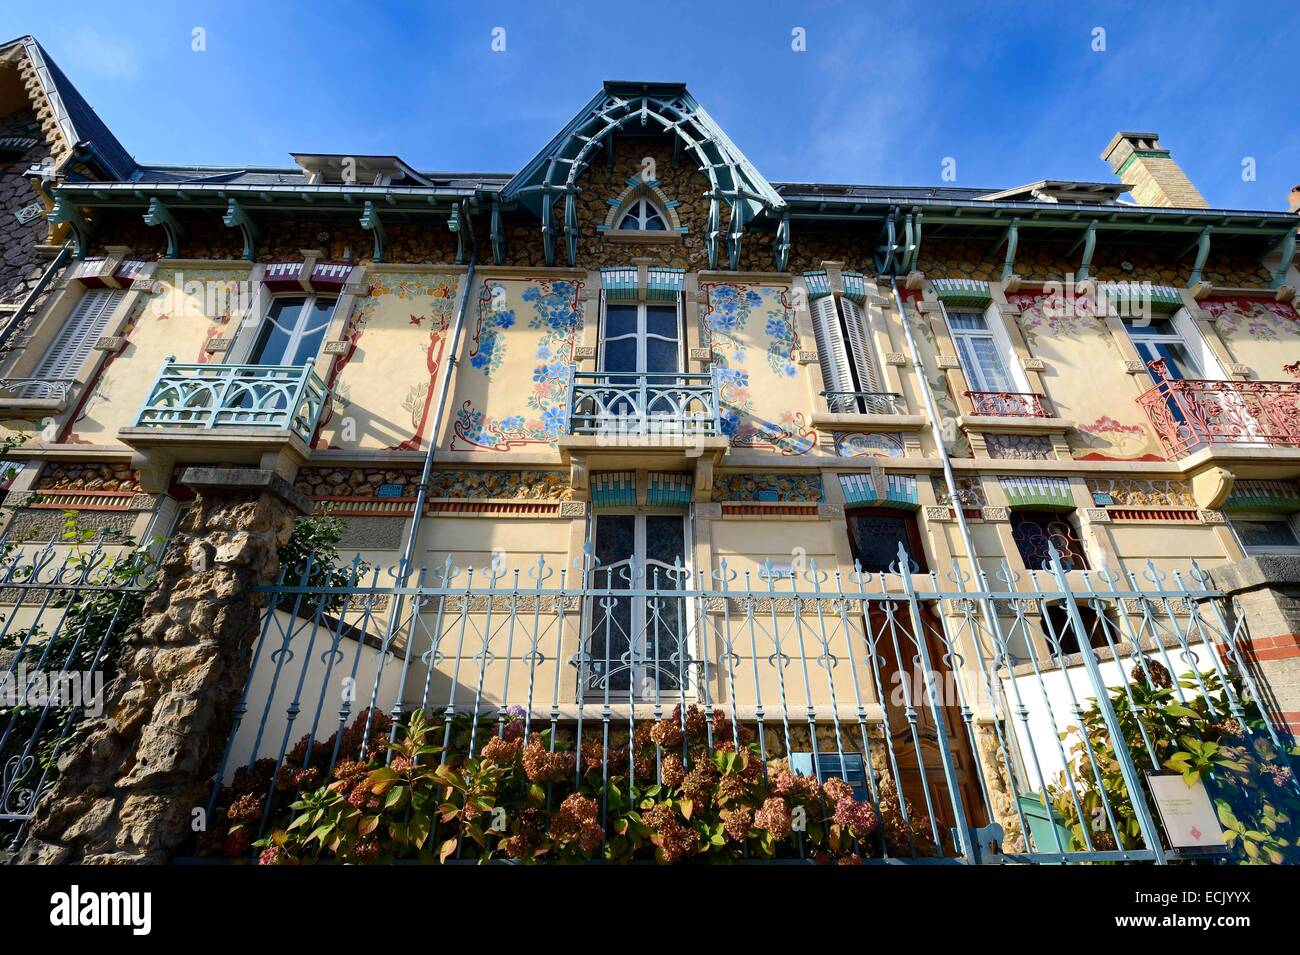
(992, 371)
(620, 320)
(967, 321)
(620, 355)
(1266, 534)
(611, 617)
(876, 538)
(315, 324)
(665, 617)
(661, 320)
(274, 340)
(654, 222)
(660, 355)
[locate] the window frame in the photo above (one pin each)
(1186, 334)
(689, 640)
(996, 331)
(1291, 521)
(264, 303)
(839, 353)
(653, 210)
(641, 334)
(911, 529)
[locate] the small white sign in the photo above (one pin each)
(1186, 811)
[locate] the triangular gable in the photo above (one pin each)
(663, 106)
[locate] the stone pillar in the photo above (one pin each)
(130, 779)
(1267, 592)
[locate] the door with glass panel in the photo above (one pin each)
(637, 632)
(640, 344)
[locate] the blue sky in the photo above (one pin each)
(882, 94)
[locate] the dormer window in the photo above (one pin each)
(643, 216)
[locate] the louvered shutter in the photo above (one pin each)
(831, 353)
(860, 347)
(78, 335)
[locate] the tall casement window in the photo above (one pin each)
(292, 331)
(1164, 338)
(984, 354)
(85, 326)
(849, 367)
(874, 536)
(637, 644)
(642, 215)
(641, 337)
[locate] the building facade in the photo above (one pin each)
(636, 357)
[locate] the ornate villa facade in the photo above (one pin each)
(637, 357)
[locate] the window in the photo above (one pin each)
(292, 332)
(1266, 533)
(1033, 531)
(981, 353)
(848, 363)
(85, 326)
(643, 216)
(850, 767)
(641, 338)
(637, 645)
(1160, 338)
(1057, 628)
(874, 536)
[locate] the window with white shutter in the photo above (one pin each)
(846, 357)
(75, 339)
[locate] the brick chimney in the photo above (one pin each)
(1139, 160)
(1293, 200)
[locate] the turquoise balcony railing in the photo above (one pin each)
(282, 397)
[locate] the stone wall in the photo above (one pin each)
(130, 780)
(20, 265)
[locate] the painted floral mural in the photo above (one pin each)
(534, 321)
(385, 381)
(759, 399)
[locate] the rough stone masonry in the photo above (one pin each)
(130, 780)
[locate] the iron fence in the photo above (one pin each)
(64, 607)
(979, 715)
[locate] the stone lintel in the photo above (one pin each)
(231, 482)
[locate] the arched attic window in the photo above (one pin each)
(642, 215)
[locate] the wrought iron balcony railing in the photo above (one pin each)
(53, 388)
(284, 397)
(642, 403)
(1011, 404)
(1188, 414)
(864, 402)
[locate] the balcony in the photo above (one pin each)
(865, 402)
(34, 398)
(265, 406)
(1008, 404)
(1190, 414)
(644, 404)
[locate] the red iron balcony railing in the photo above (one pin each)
(1188, 414)
(1013, 404)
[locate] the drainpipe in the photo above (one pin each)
(406, 564)
(965, 835)
(16, 320)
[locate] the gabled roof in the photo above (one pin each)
(80, 126)
(643, 107)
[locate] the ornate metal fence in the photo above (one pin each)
(64, 607)
(984, 719)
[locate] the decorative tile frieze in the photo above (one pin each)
(876, 488)
(1020, 447)
(939, 514)
(1141, 492)
(775, 488)
(573, 509)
